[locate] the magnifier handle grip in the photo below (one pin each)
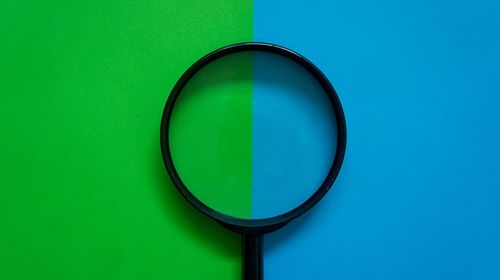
(252, 257)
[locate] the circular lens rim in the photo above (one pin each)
(265, 224)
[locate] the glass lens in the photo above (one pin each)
(252, 135)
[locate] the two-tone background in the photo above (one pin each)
(84, 193)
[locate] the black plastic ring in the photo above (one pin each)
(254, 226)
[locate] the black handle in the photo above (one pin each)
(252, 257)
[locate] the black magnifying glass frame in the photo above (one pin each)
(253, 228)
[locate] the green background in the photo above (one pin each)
(83, 190)
(211, 135)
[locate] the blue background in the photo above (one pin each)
(418, 196)
(293, 135)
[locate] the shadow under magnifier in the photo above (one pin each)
(201, 229)
(285, 80)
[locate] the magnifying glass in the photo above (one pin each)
(253, 135)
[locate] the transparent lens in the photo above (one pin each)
(252, 135)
